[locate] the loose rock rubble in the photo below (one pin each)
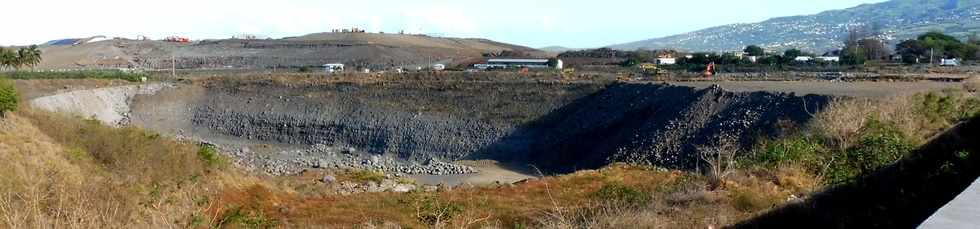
(331, 157)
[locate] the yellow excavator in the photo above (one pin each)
(651, 69)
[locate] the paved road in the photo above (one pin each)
(962, 212)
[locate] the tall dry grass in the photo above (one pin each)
(62, 172)
(919, 116)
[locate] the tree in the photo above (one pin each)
(873, 49)
(638, 57)
(753, 50)
(30, 56)
(792, 53)
(912, 51)
(853, 55)
(8, 58)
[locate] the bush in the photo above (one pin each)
(880, 144)
(8, 96)
(86, 74)
(947, 107)
(795, 150)
(209, 155)
(621, 194)
(238, 216)
(432, 210)
(368, 176)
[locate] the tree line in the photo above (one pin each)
(860, 46)
(20, 58)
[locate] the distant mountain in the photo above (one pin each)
(893, 20)
(557, 49)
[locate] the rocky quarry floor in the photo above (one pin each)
(422, 128)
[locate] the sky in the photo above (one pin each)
(569, 23)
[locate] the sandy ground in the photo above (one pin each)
(111, 105)
(31, 89)
(853, 89)
(490, 172)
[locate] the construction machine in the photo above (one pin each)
(177, 39)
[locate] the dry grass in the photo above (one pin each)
(919, 116)
(62, 172)
(676, 200)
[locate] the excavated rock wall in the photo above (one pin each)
(557, 127)
(662, 125)
(433, 120)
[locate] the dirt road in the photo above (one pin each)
(852, 89)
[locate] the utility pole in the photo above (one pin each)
(173, 66)
(932, 53)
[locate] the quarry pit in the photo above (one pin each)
(443, 131)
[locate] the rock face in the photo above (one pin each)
(446, 121)
(661, 125)
(557, 127)
(420, 127)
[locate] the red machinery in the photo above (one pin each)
(177, 39)
(710, 70)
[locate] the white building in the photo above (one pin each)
(752, 59)
(803, 59)
(949, 62)
(829, 58)
(666, 61)
(332, 68)
(519, 63)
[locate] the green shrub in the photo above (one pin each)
(209, 155)
(946, 107)
(238, 216)
(880, 144)
(8, 96)
(368, 176)
(793, 150)
(620, 194)
(82, 74)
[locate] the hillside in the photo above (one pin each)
(895, 20)
(375, 51)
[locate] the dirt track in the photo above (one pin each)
(851, 89)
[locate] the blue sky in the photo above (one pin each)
(531, 23)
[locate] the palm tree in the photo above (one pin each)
(7, 58)
(30, 56)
